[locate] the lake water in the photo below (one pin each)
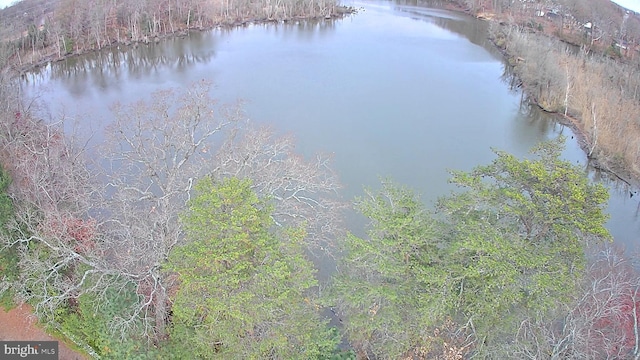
(397, 91)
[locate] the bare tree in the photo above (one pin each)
(58, 241)
(602, 323)
(75, 236)
(81, 230)
(156, 150)
(305, 192)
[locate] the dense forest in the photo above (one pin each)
(193, 234)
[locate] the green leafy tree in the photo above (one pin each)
(243, 291)
(6, 205)
(8, 255)
(509, 247)
(518, 236)
(91, 320)
(380, 287)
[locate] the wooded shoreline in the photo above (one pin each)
(53, 37)
(594, 91)
(44, 61)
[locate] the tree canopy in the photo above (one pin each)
(8, 257)
(509, 245)
(244, 291)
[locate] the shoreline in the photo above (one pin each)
(618, 173)
(51, 57)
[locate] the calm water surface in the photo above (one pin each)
(396, 91)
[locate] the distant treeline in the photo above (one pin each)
(36, 29)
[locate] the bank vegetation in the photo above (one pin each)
(33, 31)
(191, 235)
(598, 95)
(581, 61)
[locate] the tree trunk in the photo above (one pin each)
(161, 311)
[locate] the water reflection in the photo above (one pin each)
(396, 91)
(534, 119)
(109, 68)
(425, 10)
(306, 30)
